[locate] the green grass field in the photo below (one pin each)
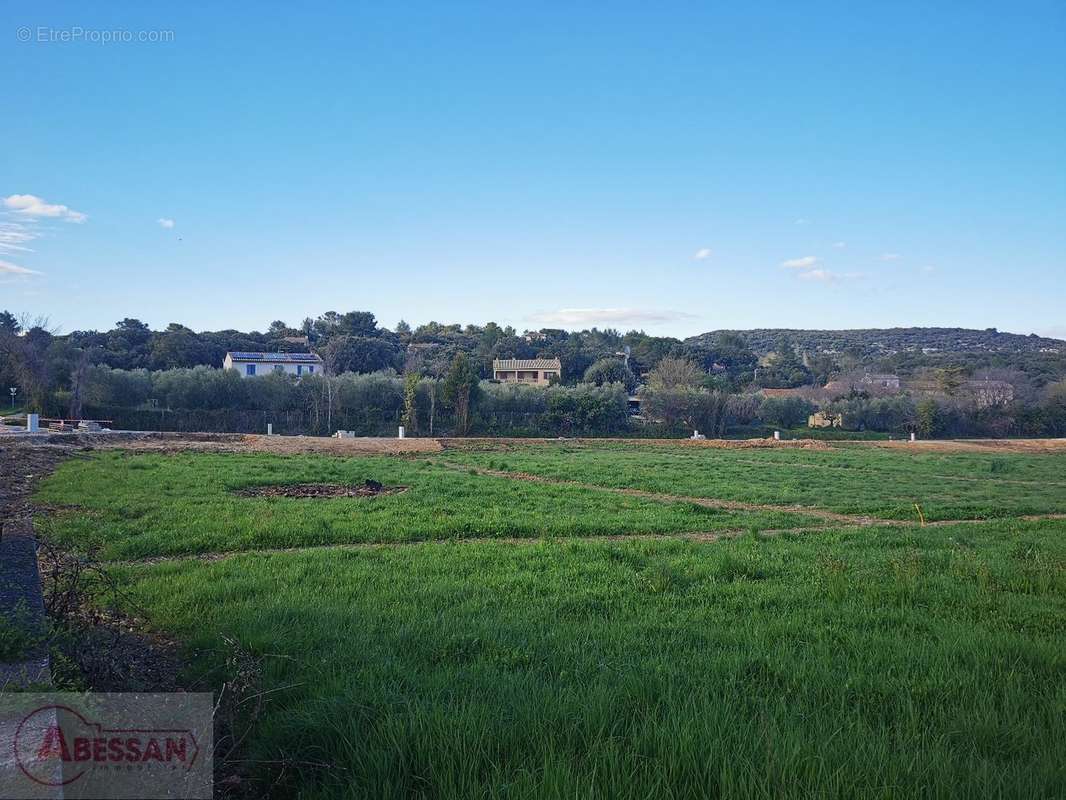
(490, 644)
(847, 478)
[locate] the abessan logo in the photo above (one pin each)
(109, 746)
(58, 732)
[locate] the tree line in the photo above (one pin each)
(433, 380)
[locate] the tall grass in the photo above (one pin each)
(857, 664)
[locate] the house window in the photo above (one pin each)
(299, 369)
(249, 369)
(310, 368)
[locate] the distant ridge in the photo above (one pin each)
(884, 341)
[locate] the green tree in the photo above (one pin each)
(410, 400)
(9, 324)
(359, 354)
(950, 379)
(927, 418)
(611, 370)
(278, 329)
(786, 412)
(177, 346)
(461, 391)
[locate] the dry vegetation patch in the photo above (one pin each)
(369, 488)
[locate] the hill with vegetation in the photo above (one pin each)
(879, 342)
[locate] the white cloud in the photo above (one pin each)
(928, 268)
(889, 256)
(7, 268)
(595, 316)
(32, 206)
(800, 263)
(165, 222)
(15, 236)
(802, 221)
(702, 253)
(840, 245)
(826, 276)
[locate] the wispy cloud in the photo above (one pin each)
(803, 221)
(840, 245)
(890, 256)
(29, 205)
(15, 236)
(595, 316)
(165, 222)
(827, 276)
(800, 263)
(7, 268)
(703, 253)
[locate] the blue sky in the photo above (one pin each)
(674, 167)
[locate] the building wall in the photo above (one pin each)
(539, 377)
(267, 368)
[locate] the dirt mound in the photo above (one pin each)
(322, 490)
(506, 444)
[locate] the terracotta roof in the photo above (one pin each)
(838, 387)
(526, 363)
(781, 392)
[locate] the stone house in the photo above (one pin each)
(535, 371)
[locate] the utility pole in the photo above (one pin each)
(14, 391)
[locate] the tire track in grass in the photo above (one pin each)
(966, 478)
(860, 520)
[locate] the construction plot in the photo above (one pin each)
(597, 618)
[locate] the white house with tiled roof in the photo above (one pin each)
(536, 371)
(250, 365)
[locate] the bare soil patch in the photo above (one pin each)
(176, 442)
(321, 490)
(282, 445)
(486, 443)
